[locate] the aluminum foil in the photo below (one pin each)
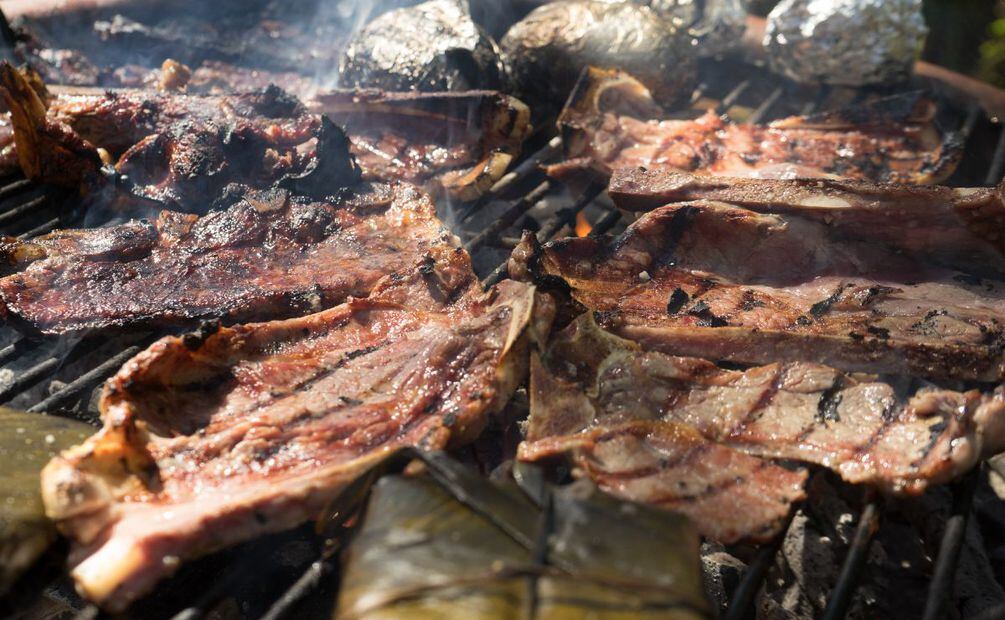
(433, 46)
(548, 49)
(715, 26)
(845, 42)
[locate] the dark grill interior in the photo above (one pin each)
(292, 574)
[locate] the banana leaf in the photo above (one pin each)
(450, 544)
(27, 442)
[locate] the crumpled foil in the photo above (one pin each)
(715, 26)
(548, 49)
(433, 46)
(845, 42)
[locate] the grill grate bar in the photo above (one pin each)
(606, 223)
(29, 378)
(528, 167)
(762, 110)
(997, 168)
(15, 187)
(940, 589)
(851, 570)
(698, 93)
(508, 217)
(974, 115)
(15, 350)
(85, 382)
(301, 589)
(48, 227)
(734, 95)
(567, 216)
(741, 606)
(17, 212)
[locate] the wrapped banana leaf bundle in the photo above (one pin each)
(27, 442)
(450, 544)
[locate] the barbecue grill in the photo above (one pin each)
(295, 572)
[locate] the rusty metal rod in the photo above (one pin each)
(851, 570)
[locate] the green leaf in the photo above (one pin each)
(27, 442)
(449, 543)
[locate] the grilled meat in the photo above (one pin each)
(178, 149)
(548, 49)
(459, 144)
(655, 428)
(955, 227)
(265, 255)
(214, 439)
(433, 46)
(638, 456)
(889, 140)
(708, 279)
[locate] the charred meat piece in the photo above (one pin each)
(180, 149)
(267, 255)
(433, 46)
(212, 440)
(958, 227)
(458, 144)
(47, 149)
(177, 150)
(651, 427)
(610, 124)
(712, 280)
(548, 49)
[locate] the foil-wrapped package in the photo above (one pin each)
(715, 26)
(433, 46)
(845, 42)
(548, 49)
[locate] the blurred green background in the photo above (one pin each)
(966, 35)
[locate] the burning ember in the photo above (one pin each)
(294, 282)
(583, 225)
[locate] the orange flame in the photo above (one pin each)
(583, 226)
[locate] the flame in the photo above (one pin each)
(583, 226)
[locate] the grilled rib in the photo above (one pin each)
(177, 149)
(214, 439)
(268, 255)
(712, 280)
(892, 140)
(958, 227)
(662, 429)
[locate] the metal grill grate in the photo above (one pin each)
(27, 211)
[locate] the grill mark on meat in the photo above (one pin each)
(639, 422)
(751, 282)
(715, 489)
(706, 318)
(276, 441)
(830, 400)
(877, 436)
(895, 146)
(821, 308)
(266, 256)
(763, 401)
